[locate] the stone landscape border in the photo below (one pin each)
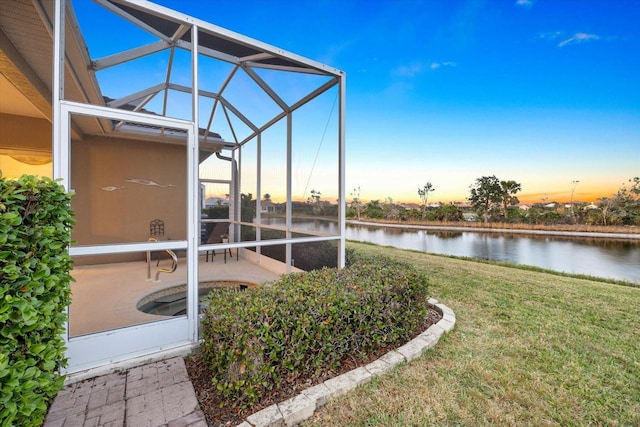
(301, 407)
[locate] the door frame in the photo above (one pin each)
(108, 347)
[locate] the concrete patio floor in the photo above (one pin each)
(106, 296)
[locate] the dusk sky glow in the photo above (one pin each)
(543, 92)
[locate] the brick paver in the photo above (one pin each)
(153, 395)
(161, 395)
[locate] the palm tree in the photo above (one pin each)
(574, 184)
(356, 200)
(508, 189)
(424, 195)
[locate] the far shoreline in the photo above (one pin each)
(632, 233)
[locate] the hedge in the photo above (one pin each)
(307, 256)
(35, 225)
(261, 339)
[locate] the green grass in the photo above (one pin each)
(529, 348)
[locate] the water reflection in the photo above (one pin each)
(611, 258)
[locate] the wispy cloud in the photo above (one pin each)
(550, 35)
(579, 38)
(525, 3)
(436, 65)
(574, 39)
(416, 68)
(410, 70)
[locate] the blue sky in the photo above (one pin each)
(541, 92)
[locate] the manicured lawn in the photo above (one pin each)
(529, 348)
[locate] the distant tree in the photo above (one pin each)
(633, 200)
(413, 213)
(534, 213)
(391, 210)
(216, 212)
(424, 196)
(508, 189)
(314, 201)
(574, 184)
(635, 186)
(248, 207)
(553, 217)
(449, 213)
(486, 194)
(516, 216)
(267, 196)
(624, 206)
(374, 210)
(314, 198)
(606, 206)
(355, 201)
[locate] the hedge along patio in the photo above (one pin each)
(218, 124)
(35, 221)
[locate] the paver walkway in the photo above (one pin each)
(157, 394)
(161, 394)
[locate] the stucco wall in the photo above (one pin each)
(123, 215)
(28, 141)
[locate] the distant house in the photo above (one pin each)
(591, 206)
(216, 201)
(267, 206)
(410, 206)
(524, 207)
(470, 216)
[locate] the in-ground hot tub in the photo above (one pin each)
(173, 301)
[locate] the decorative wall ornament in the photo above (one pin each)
(111, 188)
(143, 181)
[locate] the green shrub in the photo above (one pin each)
(306, 256)
(262, 339)
(35, 223)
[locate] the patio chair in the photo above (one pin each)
(220, 229)
(156, 229)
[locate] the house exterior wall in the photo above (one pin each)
(28, 141)
(99, 164)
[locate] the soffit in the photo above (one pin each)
(26, 58)
(24, 66)
(24, 28)
(14, 102)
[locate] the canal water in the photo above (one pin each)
(600, 257)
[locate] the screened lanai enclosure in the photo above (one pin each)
(198, 157)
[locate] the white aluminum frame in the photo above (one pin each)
(103, 348)
(89, 351)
